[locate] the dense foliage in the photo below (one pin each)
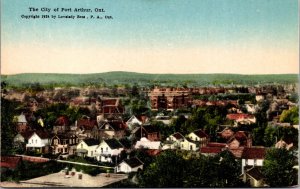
(219, 171)
(7, 125)
(278, 167)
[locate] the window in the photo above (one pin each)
(32, 141)
(101, 150)
(55, 142)
(91, 153)
(81, 145)
(106, 148)
(36, 141)
(191, 147)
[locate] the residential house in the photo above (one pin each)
(173, 141)
(254, 177)
(188, 144)
(226, 133)
(111, 129)
(148, 131)
(144, 143)
(213, 148)
(253, 156)
(110, 107)
(242, 119)
(21, 139)
(282, 144)
(64, 143)
(240, 139)
(87, 147)
(251, 108)
(133, 121)
(61, 125)
(199, 136)
(39, 142)
(130, 165)
(109, 149)
(84, 127)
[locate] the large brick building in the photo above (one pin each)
(169, 98)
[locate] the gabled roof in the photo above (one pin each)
(200, 133)
(110, 101)
(114, 125)
(61, 121)
(254, 153)
(113, 143)
(192, 141)
(26, 134)
(91, 142)
(150, 129)
(146, 128)
(240, 136)
(216, 144)
(87, 124)
(133, 162)
(239, 116)
(64, 136)
(211, 150)
(42, 134)
(178, 136)
(255, 173)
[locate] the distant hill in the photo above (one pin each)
(117, 78)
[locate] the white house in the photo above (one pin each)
(108, 149)
(173, 141)
(199, 136)
(253, 156)
(130, 165)
(87, 147)
(132, 122)
(188, 144)
(251, 108)
(39, 141)
(147, 144)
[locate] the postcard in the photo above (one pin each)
(182, 93)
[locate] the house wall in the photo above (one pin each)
(36, 141)
(107, 149)
(91, 150)
(186, 145)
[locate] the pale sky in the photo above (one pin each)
(181, 36)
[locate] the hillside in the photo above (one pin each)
(121, 78)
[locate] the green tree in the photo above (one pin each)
(228, 169)
(278, 167)
(290, 116)
(7, 125)
(167, 170)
